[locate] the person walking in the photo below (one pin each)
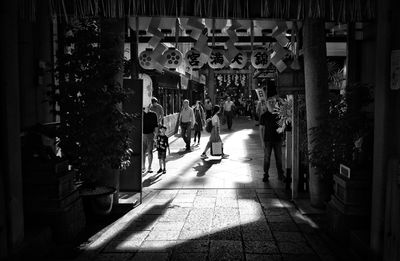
(158, 109)
(162, 146)
(199, 121)
(215, 132)
(150, 130)
(186, 121)
(271, 136)
(228, 111)
(208, 107)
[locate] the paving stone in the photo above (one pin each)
(280, 218)
(132, 235)
(113, 256)
(263, 257)
(288, 236)
(147, 256)
(284, 226)
(256, 225)
(294, 247)
(226, 250)
(273, 211)
(168, 225)
(192, 246)
(123, 246)
(317, 243)
(261, 247)
(193, 234)
(298, 257)
(226, 234)
(256, 235)
(189, 257)
(163, 235)
(157, 246)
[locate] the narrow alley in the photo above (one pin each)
(213, 209)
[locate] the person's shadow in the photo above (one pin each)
(202, 167)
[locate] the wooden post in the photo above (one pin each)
(316, 89)
(381, 117)
(295, 146)
(11, 175)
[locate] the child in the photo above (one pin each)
(162, 146)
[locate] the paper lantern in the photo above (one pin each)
(145, 59)
(217, 59)
(260, 59)
(239, 61)
(194, 59)
(173, 58)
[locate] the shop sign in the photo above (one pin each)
(260, 59)
(239, 61)
(217, 59)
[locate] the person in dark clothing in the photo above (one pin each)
(162, 146)
(150, 130)
(199, 118)
(271, 136)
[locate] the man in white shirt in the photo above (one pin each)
(186, 121)
(228, 111)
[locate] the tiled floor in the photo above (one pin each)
(213, 210)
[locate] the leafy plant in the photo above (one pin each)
(94, 132)
(341, 131)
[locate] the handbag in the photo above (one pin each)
(216, 148)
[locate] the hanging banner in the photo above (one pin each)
(239, 61)
(260, 59)
(217, 60)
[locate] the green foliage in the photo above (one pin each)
(335, 139)
(94, 131)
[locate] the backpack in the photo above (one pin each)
(209, 125)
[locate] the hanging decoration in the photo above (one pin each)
(145, 59)
(260, 58)
(194, 59)
(217, 59)
(231, 50)
(173, 58)
(199, 34)
(239, 61)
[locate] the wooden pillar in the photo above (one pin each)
(386, 139)
(113, 39)
(11, 188)
(295, 146)
(211, 85)
(44, 49)
(316, 89)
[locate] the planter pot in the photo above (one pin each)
(98, 200)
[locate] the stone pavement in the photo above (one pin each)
(213, 210)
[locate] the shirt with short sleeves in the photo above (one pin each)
(270, 121)
(149, 122)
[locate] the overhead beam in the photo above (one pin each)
(223, 39)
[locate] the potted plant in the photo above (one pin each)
(94, 132)
(345, 136)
